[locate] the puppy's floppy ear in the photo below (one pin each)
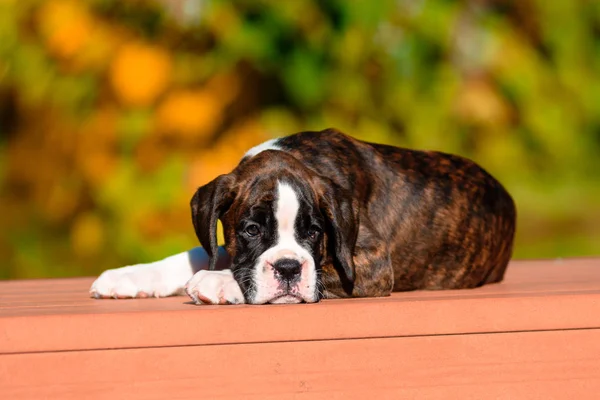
(208, 204)
(340, 210)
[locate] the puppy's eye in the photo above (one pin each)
(313, 232)
(252, 230)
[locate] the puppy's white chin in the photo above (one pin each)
(288, 299)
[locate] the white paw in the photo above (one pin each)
(143, 280)
(214, 287)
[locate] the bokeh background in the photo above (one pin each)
(113, 112)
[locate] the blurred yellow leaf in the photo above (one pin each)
(189, 113)
(97, 167)
(280, 121)
(99, 49)
(140, 72)
(150, 154)
(502, 153)
(87, 234)
(151, 224)
(66, 26)
(209, 165)
(96, 153)
(478, 102)
(225, 156)
(61, 203)
(243, 136)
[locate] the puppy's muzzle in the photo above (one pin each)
(287, 270)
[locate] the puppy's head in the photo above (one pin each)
(280, 221)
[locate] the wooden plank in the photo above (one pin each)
(532, 365)
(548, 276)
(42, 296)
(57, 315)
(299, 322)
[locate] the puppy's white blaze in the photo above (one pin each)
(268, 145)
(267, 286)
(286, 213)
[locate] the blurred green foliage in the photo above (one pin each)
(112, 112)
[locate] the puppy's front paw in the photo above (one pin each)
(114, 283)
(214, 287)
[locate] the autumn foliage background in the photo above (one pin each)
(113, 112)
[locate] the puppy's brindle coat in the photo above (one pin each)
(370, 219)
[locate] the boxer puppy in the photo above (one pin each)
(322, 215)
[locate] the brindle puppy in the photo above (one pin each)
(320, 214)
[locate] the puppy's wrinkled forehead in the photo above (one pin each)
(257, 197)
(279, 199)
(273, 178)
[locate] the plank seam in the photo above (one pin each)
(303, 341)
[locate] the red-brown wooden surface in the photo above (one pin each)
(536, 335)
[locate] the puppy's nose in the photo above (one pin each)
(287, 268)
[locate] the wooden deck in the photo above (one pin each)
(534, 336)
